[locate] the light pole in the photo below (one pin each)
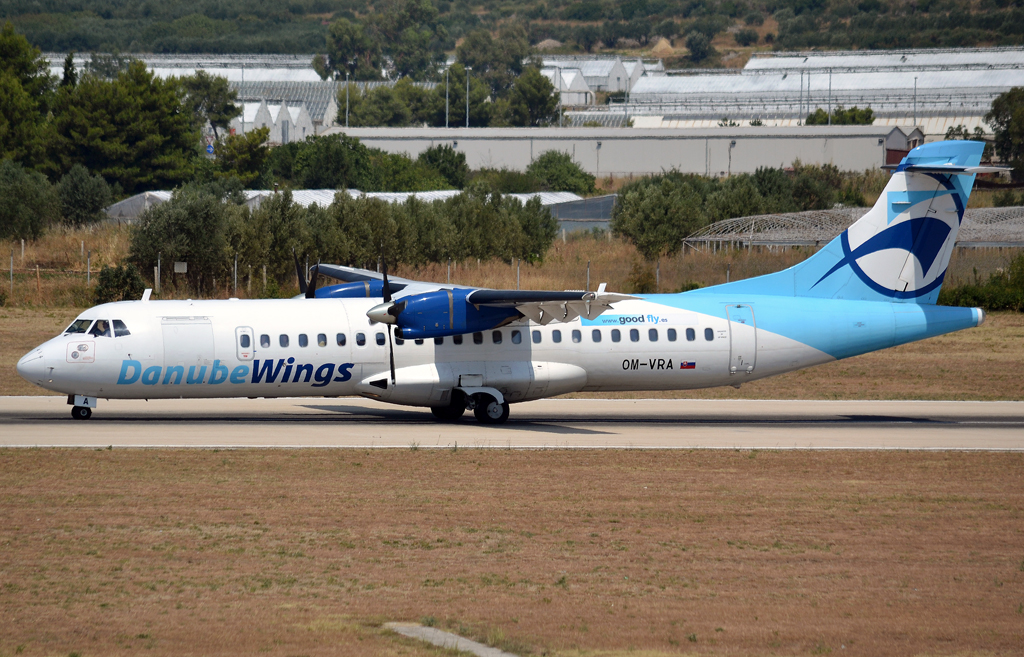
(915, 100)
(830, 96)
(468, 69)
(446, 96)
(346, 99)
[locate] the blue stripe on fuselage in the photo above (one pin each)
(839, 328)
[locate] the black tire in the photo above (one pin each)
(448, 413)
(489, 411)
(81, 412)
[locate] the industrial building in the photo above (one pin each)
(931, 89)
(623, 153)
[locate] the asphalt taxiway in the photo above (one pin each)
(551, 423)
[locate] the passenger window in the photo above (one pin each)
(709, 335)
(652, 335)
(576, 335)
(243, 340)
(556, 336)
(478, 338)
(321, 339)
(101, 329)
(120, 330)
(283, 340)
(496, 337)
(691, 335)
(341, 340)
(361, 339)
(536, 337)
(303, 340)
(671, 335)
(596, 335)
(634, 335)
(418, 341)
(79, 326)
(380, 339)
(457, 339)
(439, 341)
(616, 335)
(517, 337)
(265, 341)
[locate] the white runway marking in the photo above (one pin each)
(546, 424)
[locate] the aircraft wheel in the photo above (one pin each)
(489, 411)
(81, 412)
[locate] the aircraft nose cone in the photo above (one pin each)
(31, 367)
(379, 313)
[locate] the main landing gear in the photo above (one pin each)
(81, 412)
(485, 407)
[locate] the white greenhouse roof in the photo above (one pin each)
(891, 59)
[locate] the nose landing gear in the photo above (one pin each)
(82, 406)
(81, 412)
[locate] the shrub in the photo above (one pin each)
(28, 203)
(642, 279)
(447, 161)
(120, 283)
(699, 45)
(559, 173)
(746, 37)
(82, 196)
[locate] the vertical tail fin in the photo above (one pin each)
(899, 250)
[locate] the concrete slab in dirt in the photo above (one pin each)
(444, 639)
(549, 423)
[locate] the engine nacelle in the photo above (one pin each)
(447, 312)
(363, 290)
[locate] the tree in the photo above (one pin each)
(699, 45)
(381, 106)
(447, 161)
(26, 65)
(558, 172)
(1006, 118)
(332, 162)
(499, 62)
(82, 196)
(479, 112)
(188, 228)
(587, 36)
(243, 156)
(656, 214)
(533, 100)
(746, 37)
(134, 130)
(22, 127)
(107, 66)
(840, 116)
(350, 48)
(70, 77)
(121, 283)
(210, 100)
(28, 203)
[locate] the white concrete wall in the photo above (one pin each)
(625, 152)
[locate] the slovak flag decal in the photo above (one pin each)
(688, 365)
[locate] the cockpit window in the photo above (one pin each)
(79, 326)
(120, 330)
(101, 329)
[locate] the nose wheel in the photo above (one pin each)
(81, 412)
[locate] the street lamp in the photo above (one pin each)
(346, 99)
(446, 96)
(915, 100)
(468, 69)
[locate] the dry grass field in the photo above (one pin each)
(539, 552)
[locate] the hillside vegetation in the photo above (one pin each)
(302, 26)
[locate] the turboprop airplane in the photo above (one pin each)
(451, 348)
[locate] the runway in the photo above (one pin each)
(551, 423)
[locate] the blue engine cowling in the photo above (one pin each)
(447, 312)
(362, 290)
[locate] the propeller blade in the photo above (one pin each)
(298, 274)
(311, 288)
(387, 286)
(391, 353)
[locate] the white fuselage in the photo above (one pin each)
(328, 347)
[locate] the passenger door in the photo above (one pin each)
(742, 339)
(245, 346)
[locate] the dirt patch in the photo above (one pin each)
(307, 552)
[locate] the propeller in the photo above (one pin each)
(298, 274)
(387, 300)
(314, 274)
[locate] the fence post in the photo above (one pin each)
(264, 277)
(235, 275)
(519, 263)
(248, 283)
(39, 285)
(22, 253)
(158, 272)
(88, 268)
(588, 276)
(12, 274)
